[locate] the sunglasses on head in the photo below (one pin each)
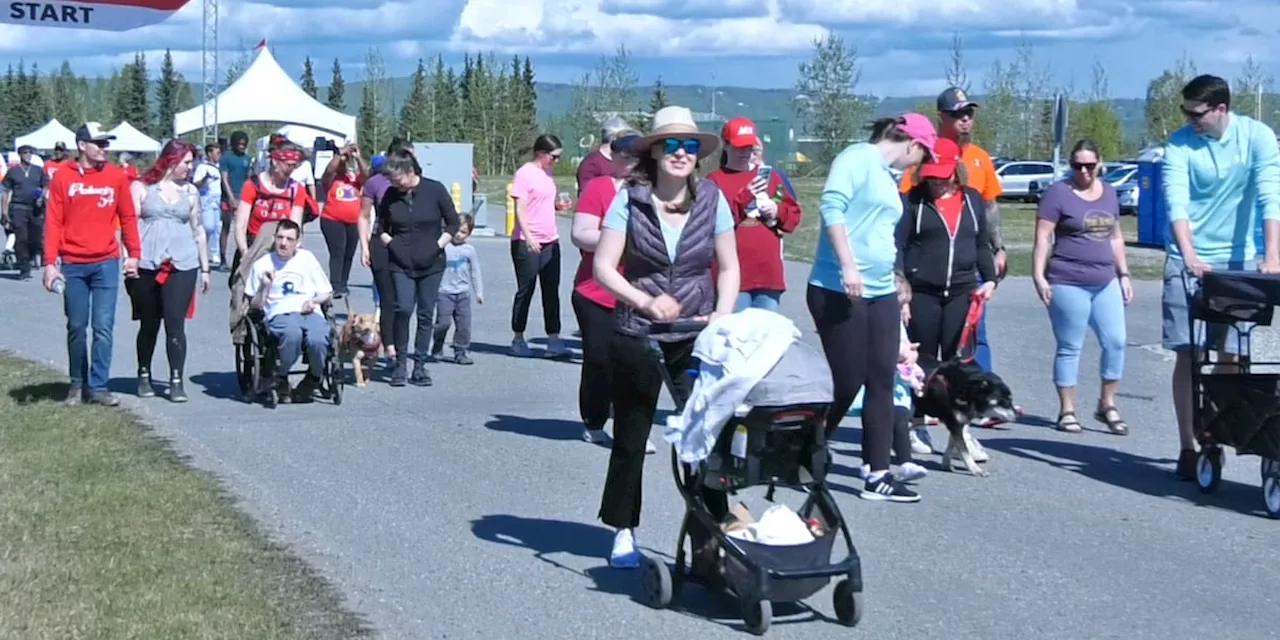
(1084, 166)
(672, 145)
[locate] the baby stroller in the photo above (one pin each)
(776, 439)
(1237, 408)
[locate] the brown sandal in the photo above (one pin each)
(1118, 426)
(1068, 423)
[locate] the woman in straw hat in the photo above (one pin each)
(665, 228)
(852, 289)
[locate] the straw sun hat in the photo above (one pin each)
(677, 122)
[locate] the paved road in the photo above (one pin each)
(467, 510)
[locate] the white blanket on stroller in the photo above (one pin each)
(736, 352)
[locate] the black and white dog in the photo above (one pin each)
(958, 393)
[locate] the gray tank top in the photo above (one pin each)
(166, 230)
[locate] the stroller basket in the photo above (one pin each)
(799, 571)
(1243, 411)
(783, 445)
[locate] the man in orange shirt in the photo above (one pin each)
(88, 201)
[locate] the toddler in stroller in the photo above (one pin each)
(755, 417)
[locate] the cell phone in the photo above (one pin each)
(765, 172)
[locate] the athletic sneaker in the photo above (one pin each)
(557, 349)
(520, 348)
(887, 488)
(911, 471)
(596, 436)
(624, 555)
(921, 443)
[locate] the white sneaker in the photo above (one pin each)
(624, 555)
(649, 448)
(596, 436)
(919, 446)
(910, 472)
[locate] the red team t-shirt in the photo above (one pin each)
(594, 201)
(343, 200)
(271, 207)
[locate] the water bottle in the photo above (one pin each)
(59, 285)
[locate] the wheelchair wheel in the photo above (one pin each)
(1209, 469)
(248, 374)
(335, 380)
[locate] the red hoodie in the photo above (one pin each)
(85, 208)
(759, 246)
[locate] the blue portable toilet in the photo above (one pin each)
(1153, 218)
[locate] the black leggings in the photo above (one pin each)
(860, 338)
(155, 304)
(532, 270)
(342, 239)
(598, 328)
(386, 287)
(936, 323)
(637, 382)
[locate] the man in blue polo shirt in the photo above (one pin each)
(1221, 177)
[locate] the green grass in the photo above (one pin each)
(105, 533)
(1018, 226)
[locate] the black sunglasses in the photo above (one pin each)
(690, 146)
(1195, 115)
(961, 114)
(1084, 166)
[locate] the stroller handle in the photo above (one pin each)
(682, 326)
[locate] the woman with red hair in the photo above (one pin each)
(175, 257)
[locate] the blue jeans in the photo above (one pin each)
(90, 300)
(762, 299)
(293, 332)
(1074, 308)
(211, 219)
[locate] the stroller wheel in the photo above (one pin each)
(1269, 468)
(1209, 469)
(848, 604)
(1271, 496)
(758, 615)
(657, 583)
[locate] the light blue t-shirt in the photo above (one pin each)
(862, 195)
(1224, 188)
(619, 213)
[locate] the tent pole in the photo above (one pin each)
(209, 73)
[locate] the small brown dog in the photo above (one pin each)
(359, 341)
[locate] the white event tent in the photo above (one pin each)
(128, 138)
(47, 136)
(265, 93)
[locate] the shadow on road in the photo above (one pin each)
(1135, 473)
(547, 428)
(547, 538)
(218, 384)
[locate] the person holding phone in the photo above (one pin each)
(340, 219)
(763, 210)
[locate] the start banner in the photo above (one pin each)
(101, 15)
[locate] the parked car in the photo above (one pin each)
(1017, 177)
(1125, 182)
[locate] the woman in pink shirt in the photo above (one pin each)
(535, 246)
(592, 304)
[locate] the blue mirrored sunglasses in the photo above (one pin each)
(691, 146)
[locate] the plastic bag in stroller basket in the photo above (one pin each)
(813, 555)
(1243, 411)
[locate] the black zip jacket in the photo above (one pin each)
(931, 260)
(415, 221)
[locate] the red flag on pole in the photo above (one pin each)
(261, 44)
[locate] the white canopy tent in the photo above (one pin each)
(47, 136)
(128, 138)
(265, 93)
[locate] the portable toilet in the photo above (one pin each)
(1153, 218)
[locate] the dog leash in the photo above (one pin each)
(968, 335)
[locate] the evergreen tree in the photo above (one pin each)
(34, 95)
(444, 102)
(656, 102)
(67, 99)
(309, 78)
(8, 128)
(336, 94)
(372, 120)
(168, 91)
(21, 110)
(415, 113)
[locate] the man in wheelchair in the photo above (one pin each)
(289, 286)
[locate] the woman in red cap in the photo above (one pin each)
(943, 246)
(763, 209)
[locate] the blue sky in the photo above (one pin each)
(904, 44)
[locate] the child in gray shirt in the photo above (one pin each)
(460, 285)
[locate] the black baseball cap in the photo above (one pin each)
(92, 132)
(954, 99)
(59, 146)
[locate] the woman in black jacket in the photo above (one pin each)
(417, 219)
(942, 248)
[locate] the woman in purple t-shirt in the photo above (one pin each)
(1082, 276)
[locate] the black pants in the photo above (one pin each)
(936, 323)
(902, 434)
(421, 293)
(28, 232)
(155, 304)
(342, 239)
(540, 269)
(453, 309)
(386, 287)
(637, 381)
(598, 328)
(860, 338)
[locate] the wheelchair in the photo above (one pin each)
(257, 361)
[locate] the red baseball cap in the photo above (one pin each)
(740, 132)
(946, 155)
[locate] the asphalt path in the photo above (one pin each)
(467, 510)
